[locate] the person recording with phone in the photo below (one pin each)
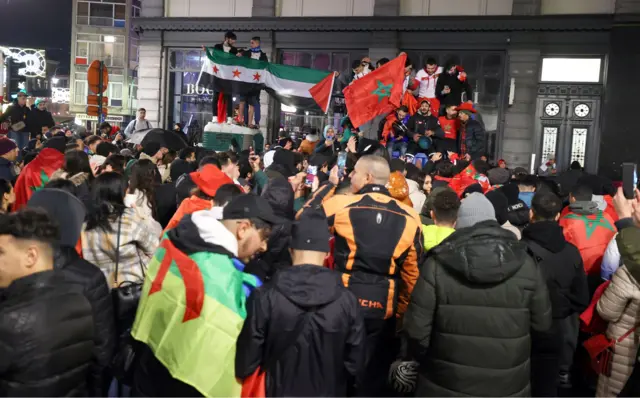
(330, 144)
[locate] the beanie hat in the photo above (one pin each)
(500, 205)
(57, 143)
(498, 176)
(471, 189)
(311, 232)
(475, 209)
(7, 145)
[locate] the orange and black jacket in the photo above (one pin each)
(377, 247)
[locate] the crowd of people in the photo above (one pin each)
(338, 264)
(382, 277)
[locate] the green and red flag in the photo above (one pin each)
(291, 85)
(376, 93)
(36, 175)
(190, 315)
(467, 177)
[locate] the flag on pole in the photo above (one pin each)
(322, 91)
(291, 85)
(376, 93)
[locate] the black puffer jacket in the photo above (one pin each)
(279, 194)
(327, 351)
(478, 296)
(48, 351)
(561, 265)
(38, 119)
(16, 114)
(475, 138)
(81, 272)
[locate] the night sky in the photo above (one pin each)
(38, 24)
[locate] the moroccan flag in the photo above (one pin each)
(467, 177)
(322, 91)
(36, 175)
(190, 315)
(290, 85)
(376, 93)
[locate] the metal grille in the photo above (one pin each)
(578, 145)
(549, 140)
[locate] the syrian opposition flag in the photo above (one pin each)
(291, 85)
(376, 93)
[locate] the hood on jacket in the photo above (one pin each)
(547, 234)
(485, 254)
(308, 285)
(600, 201)
(312, 137)
(65, 209)
(279, 194)
(584, 208)
(200, 232)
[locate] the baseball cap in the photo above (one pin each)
(250, 206)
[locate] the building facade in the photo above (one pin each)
(102, 31)
(541, 70)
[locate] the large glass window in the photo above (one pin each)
(571, 70)
(102, 13)
(107, 48)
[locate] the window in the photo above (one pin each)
(102, 13)
(80, 91)
(578, 144)
(107, 48)
(577, 70)
(549, 140)
(115, 94)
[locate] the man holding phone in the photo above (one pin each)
(17, 115)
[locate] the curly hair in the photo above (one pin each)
(30, 224)
(144, 176)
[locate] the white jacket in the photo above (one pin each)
(428, 83)
(416, 195)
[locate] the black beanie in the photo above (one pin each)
(500, 204)
(311, 232)
(57, 143)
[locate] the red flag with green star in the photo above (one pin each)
(36, 175)
(376, 93)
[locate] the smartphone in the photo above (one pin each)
(312, 174)
(342, 163)
(629, 179)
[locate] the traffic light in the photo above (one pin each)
(15, 82)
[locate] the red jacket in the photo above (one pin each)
(590, 233)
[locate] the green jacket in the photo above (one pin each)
(628, 240)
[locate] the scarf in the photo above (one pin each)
(256, 50)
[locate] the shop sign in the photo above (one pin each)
(192, 89)
(110, 119)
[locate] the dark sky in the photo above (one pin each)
(38, 24)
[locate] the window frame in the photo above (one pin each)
(574, 56)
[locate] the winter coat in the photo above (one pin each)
(79, 271)
(419, 124)
(457, 89)
(37, 119)
(184, 186)
(416, 195)
(590, 230)
(512, 228)
(434, 235)
(81, 182)
(308, 145)
(165, 203)
(46, 337)
(469, 319)
(17, 114)
(474, 137)
(324, 356)
(568, 180)
(7, 171)
(137, 245)
(561, 265)
(619, 305)
(280, 196)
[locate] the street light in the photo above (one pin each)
(55, 80)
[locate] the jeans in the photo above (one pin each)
(397, 146)
(255, 101)
(380, 350)
(21, 139)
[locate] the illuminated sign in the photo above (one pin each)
(60, 95)
(34, 60)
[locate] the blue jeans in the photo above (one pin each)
(255, 101)
(397, 146)
(21, 139)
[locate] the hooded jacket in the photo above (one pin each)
(37, 119)
(7, 170)
(561, 265)
(590, 230)
(212, 278)
(280, 196)
(324, 357)
(469, 319)
(457, 87)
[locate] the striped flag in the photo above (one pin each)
(291, 85)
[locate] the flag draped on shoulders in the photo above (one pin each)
(36, 175)
(376, 93)
(190, 315)
(467, 177)
(291, 85)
